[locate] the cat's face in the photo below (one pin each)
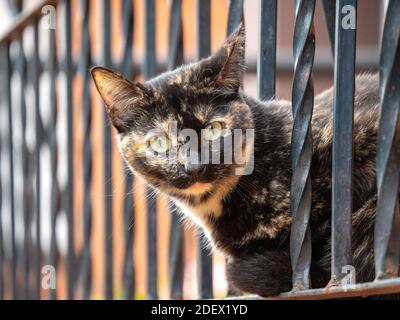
(174, 130)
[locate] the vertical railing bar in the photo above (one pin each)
(176, 255)
(29, 182)
(1, 229)
(149, 71)
(108, 205)
(203, 49)
(175, 58)
(329, 13)
(152, 267)
(52, 141)
(21, 70)
(8, 101)
(38, 142)
(387, 223)
(7, 95)
(129, 266)
(235, 15)
(149, 66)
(302, 106)
(206, 268)
(1, 242)
(342, 151)
(2, 88)
(203, 29)
(70, 149)
(29, 244)
(31, 163)
(128, 226)
(266, 66)
(85, 62)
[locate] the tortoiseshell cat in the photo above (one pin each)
(247, 217)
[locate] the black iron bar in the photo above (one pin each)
(7, 100)
(85, 62)
(1, 224)
(235, 15)
(128, 226)
(266, 66)
(25, 197)
(107, 145)
(342, 151)
(203, 49)
(149, 71)
(387, 224)
(203, 29)
(38, 143)
(69, 194)
(52, 141)
(329, 13)
(149, 63)
(175, 58)
(302, 105)
(176, 255)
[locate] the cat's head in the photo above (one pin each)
(198, 103)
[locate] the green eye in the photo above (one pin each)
(213, 131)
(159, 144)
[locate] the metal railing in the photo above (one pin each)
(21, 261)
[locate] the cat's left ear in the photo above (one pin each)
(227, 66)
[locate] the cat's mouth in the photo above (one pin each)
(197, 188)
(192, 184)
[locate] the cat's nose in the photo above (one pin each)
(193, 164)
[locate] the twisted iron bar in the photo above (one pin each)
(52, 142)
(302, 108)
(84, 65)
(387, 224)
(129, 231)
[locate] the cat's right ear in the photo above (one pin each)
(226, 67)
(119, 95)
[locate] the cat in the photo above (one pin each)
(245, 217)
